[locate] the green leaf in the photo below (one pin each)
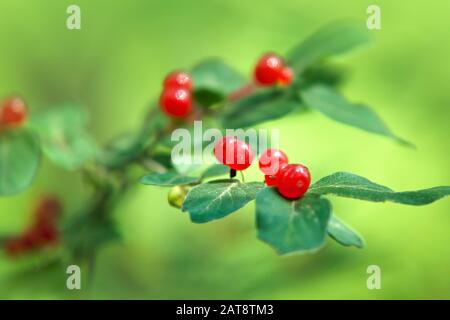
(349, 185)
(185, 164)
(121, 150)
(217, 199)
(343, 234)
(329, 102)
(332, 39)
(257, 108)
(330, 74)
(19, 161)
(64, 138)
(214, 80)
(91, 234)
(292, 226)
(163, 158)
(131, 146)
(167, 179)
(216, 170)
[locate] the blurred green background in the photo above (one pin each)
(114, 67)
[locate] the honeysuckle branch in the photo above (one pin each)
(224, 98)
(99, 171)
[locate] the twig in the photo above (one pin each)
(242, 176)
(153, 165)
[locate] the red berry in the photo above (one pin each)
(178, 79)
(49, 234)
(286, 76)
(268, 69)
(176, 102)
(293, 181)
(48, 210)
(13, 111)
(271, 161)
(234, 153)
(32, 238)
(272, 180)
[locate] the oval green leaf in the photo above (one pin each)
(216, 170)
(332, 39)
(343, 234)
(257, 108)
(167, 179)
(217, 199)
(350, 185)
(19, 161)
(64, 137)
(329, 102)
(292, 226)
(214, 80)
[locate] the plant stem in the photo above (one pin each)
(153, 165)
(242, 92)
(242, 176)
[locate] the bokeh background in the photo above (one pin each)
(114, 67)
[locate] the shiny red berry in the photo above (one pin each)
(178, 79)
(268, 69)
(13, 112)
(271, 161)
(293, 181)
(233, 153)
(286, 76)
(272, 180)
(176, 102)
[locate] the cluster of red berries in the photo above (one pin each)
(271, 70)
(176, 97)
(13, 112)
(291, 180)
(43, 232)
